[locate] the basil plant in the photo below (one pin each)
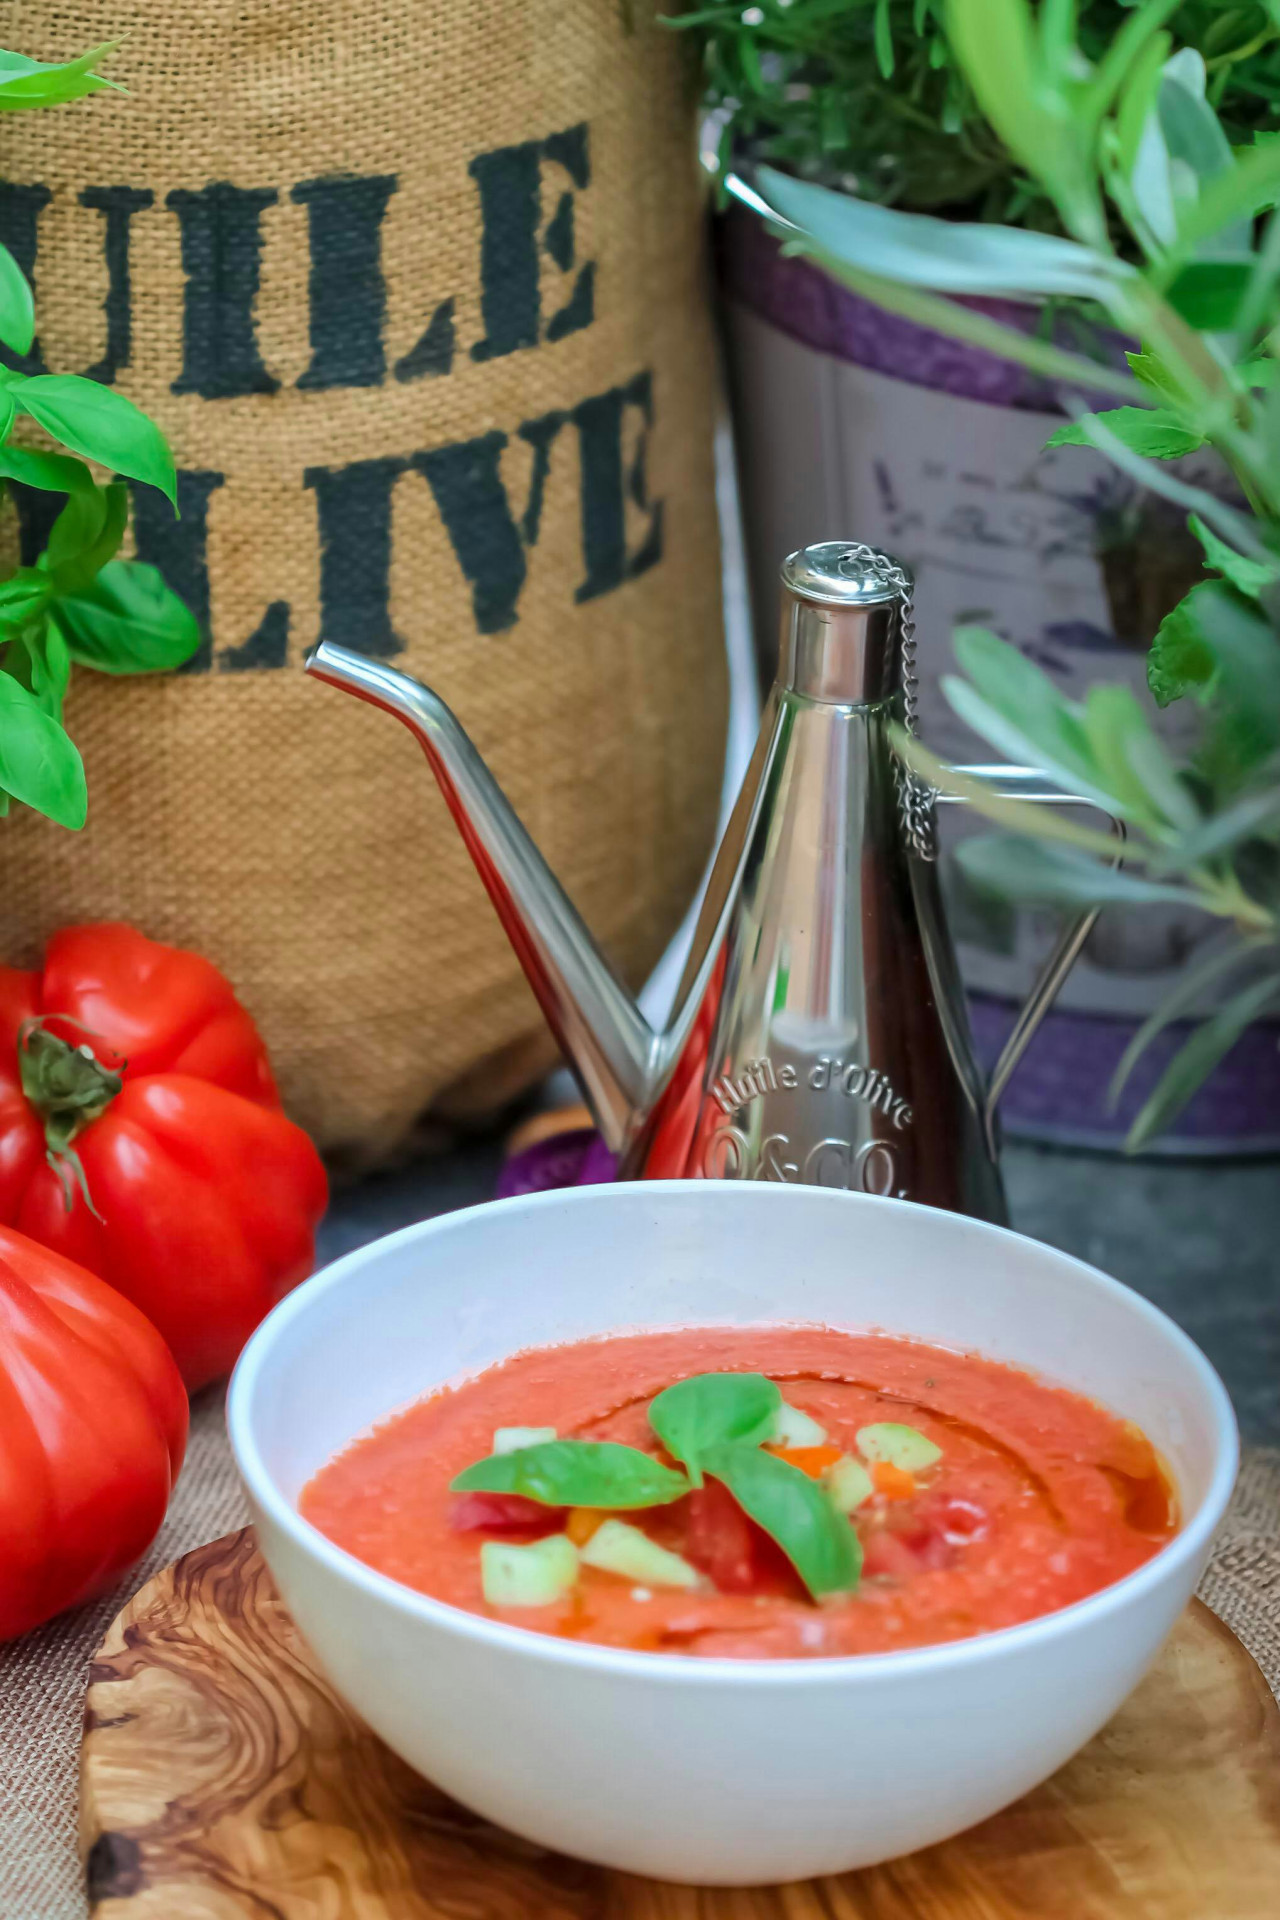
(78, 601)
(1125, 140)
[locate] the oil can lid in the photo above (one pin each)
(844, 573)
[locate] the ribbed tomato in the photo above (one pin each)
(93, 1425)
(141, 1135)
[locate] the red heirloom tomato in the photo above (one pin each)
(141, 1135)
(93, 1425)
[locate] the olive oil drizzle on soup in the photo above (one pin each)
(964, 1495)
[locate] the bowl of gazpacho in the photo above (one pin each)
(729, 1533)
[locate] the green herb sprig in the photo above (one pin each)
(1123, 134)
(874, 97)
(78, 603)
(713, 1423)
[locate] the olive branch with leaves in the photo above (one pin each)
(1128, 138)
(78, 602)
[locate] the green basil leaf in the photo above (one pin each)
(128, 620)
(39, 658)
(795, 1511)
(576, 1473)
(99, 423)
(39, 764)
(23, 595)
(85, 536)
(51, 472)
(76, 527)
(17, 308)
(1154, 432)
(709, 1408)
(25, 84)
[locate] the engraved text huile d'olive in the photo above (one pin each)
(820, 1033)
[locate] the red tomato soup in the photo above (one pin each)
(908, 1495)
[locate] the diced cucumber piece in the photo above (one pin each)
(791, 1428)
(618, 1548)
(849, 1484)
(511, 1439)
(534, 1576)
(904, 1447)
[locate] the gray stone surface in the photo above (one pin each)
(1201, 1239)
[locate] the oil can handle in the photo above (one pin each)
(1028, 784)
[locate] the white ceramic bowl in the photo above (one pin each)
(714, 1771)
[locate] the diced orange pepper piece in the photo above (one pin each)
(582, 1523)
(811, 1460)
(895, 1483)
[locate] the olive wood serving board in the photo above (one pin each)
(222, 1779)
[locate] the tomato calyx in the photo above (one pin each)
(69, 1088)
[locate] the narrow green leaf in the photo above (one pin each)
(39, 764)
(947, 256)
(1197, 1058)
(576, 1473)
(1250, 577)
(1016, 707)
(1134, 764)
(884, 40)
(17, 308)
(1244, 819)
(1153, 432)
(1177, 1002)
(128, 620)
(1056, 876)
(1032, 819)
(711, 1408)
(1139, 97)
(101, 424)
(793, 1510)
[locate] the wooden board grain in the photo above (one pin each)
(222, 1779)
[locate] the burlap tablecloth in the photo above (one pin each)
(42, 1678)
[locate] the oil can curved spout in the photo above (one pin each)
(604, 1036)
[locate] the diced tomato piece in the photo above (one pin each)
(923, 1539)
(811, 1460)
(885, 1552)
(503, 1513)
(720, 1539)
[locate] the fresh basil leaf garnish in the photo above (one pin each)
(709, 1409)
(576, 1473)
(795, 1511)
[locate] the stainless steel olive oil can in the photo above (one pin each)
(820, 1034)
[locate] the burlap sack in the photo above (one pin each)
(417, 294)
